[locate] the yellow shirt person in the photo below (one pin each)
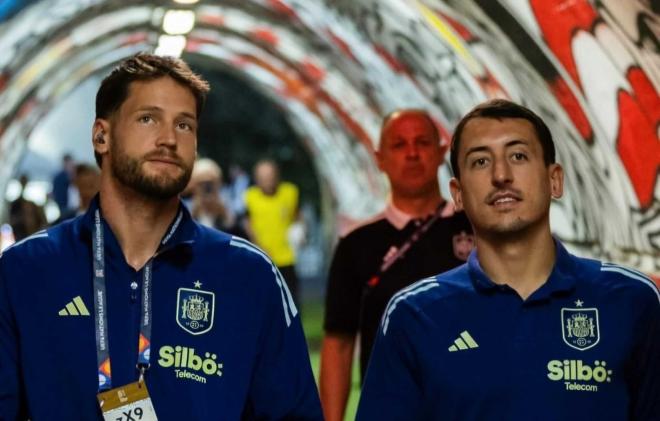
(271, 216)
(272, 207)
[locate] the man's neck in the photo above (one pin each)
(137, 222)
(522, 262)
(418, 206)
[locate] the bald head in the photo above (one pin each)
(407, 114)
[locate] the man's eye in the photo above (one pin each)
(479, 162)
(145, 119)
(185, 126)
(519, 156)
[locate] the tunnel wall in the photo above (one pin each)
(590, 69)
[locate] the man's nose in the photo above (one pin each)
(412, 151)
(167, 136)
(502, 173)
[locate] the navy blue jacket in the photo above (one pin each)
(584, 346)
(246, 360)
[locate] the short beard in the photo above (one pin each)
(129, 173)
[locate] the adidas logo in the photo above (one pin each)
(463, 342)
(74, 308)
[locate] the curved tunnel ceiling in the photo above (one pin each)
(592, 71)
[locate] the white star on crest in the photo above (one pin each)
(197, 284)
(579, 303)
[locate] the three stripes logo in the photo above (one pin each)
(463, 342)
(76, 307)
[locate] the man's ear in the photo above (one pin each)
(556, 180)
(456, 193)
(101, 136)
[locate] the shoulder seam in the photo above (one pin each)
(632, 274)
(414, 289)
(287, 300)
(38, 234)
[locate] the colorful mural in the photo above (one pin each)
(590, 68)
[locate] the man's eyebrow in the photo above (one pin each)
(188, 115)
(486, 148)
(477, 149)
(149, 108)
(515, 142)
(154, 108)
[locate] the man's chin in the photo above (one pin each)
(161, 188)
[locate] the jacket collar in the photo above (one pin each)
(561, 279)
(182, 229)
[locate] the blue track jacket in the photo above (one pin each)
(226, 343)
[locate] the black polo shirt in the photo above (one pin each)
(353, 304)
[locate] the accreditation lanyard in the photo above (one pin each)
(101, 315)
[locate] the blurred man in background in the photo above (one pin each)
(62, 183)
(25, 216)
(207, 206)
(272, 209)
(418, 235)
(87, 181)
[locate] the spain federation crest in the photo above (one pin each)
(195, 310)
(579, 327)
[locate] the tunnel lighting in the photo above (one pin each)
(186, 1)
(170, 45)
(178, 22)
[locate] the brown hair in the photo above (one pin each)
(499, 109)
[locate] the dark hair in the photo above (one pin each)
(146, 67)
(499, 109)
(405, 112)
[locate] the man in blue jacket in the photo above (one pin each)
(133, 310)
(524, 330)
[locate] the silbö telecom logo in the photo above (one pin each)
(571, 371)
(183, 359)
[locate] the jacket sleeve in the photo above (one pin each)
(12, 398)
(282, 385)
(391, 388)
(644, 374)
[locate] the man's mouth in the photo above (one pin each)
(164, 160)
(503, 198)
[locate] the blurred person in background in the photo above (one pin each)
(87, 181)
(272, 210)
(417, 235)
(62, 183)
(233, 191)
(207, 206)
(25, 216)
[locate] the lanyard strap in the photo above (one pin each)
(390, 259)
(101, 317)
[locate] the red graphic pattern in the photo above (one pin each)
(638, 110)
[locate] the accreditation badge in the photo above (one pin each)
(127, 403)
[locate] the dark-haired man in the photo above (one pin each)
(524, 330)
(133, 310)
(418, 235)
(86, 179)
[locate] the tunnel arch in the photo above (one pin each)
(336, 67)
